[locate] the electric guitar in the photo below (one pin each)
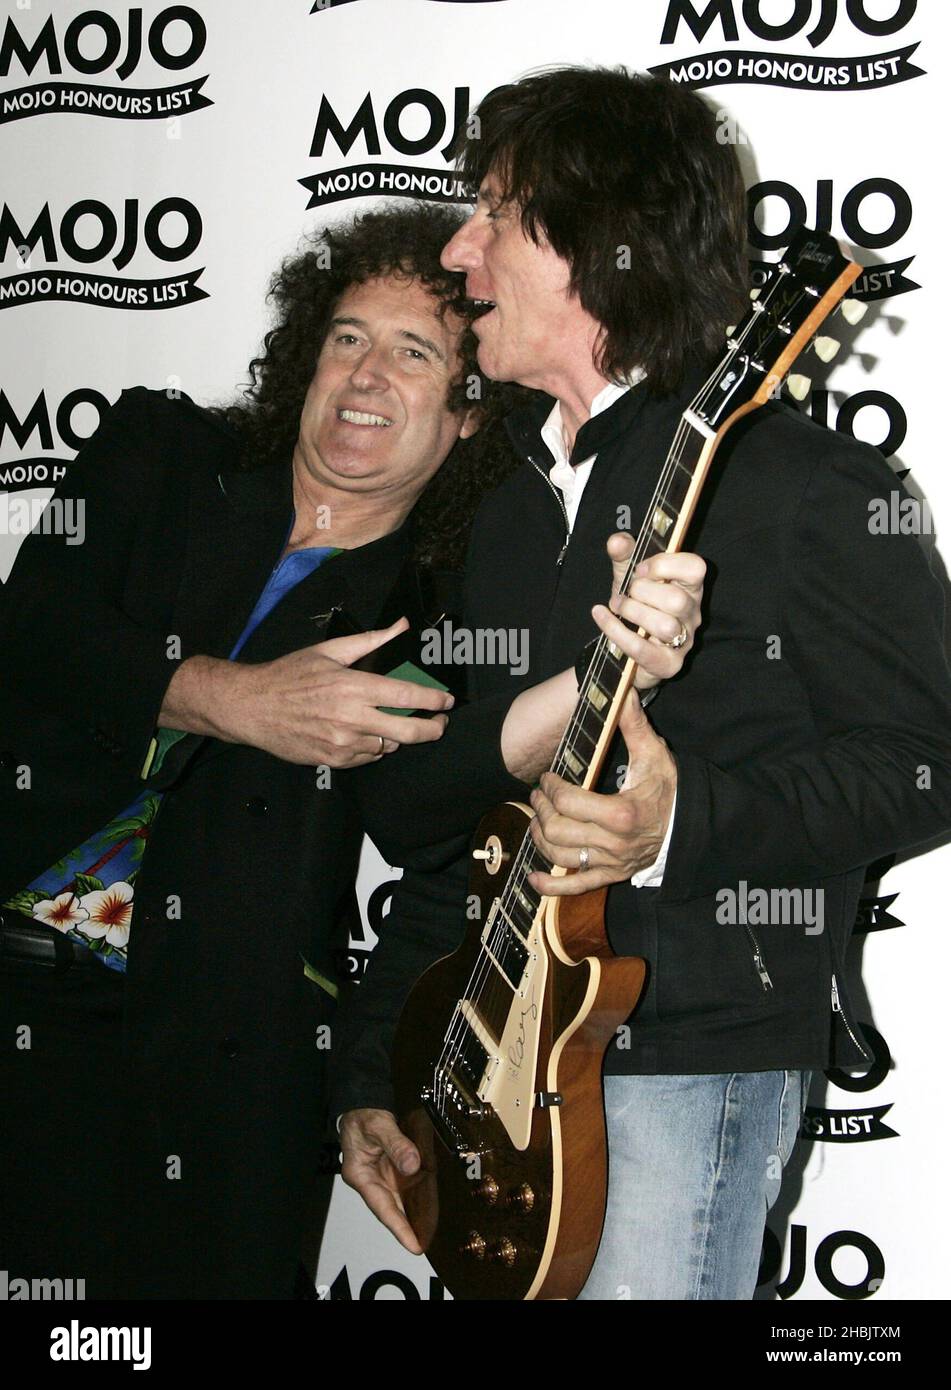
(498, 1053)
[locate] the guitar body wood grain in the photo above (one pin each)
(499, 1221)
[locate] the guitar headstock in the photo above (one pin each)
(806, 286)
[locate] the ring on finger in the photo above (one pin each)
(679, 640)
(584, 858)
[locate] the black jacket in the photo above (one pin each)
(220, 1020)
(811, 726)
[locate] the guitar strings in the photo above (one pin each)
(476, 993)
(498, 987)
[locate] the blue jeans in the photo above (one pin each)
(695, 1163)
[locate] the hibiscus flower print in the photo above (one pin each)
(109, 914)
(64, 912)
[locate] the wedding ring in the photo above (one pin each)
(583, 858)
(382, 746)
(680, 639)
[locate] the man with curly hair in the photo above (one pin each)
(184, 852)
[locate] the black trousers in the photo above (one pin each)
(212, 1203)
(63, 1172)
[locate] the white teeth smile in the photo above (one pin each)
(359, 417)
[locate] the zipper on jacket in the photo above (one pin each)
(838, 1009)
(758, 961)
(561, 503)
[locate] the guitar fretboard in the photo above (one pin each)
(584, 744)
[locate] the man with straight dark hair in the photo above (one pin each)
(607, 253)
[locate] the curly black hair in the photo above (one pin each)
(405, 240)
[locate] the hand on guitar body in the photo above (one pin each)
(667, 592)
(374, 1150)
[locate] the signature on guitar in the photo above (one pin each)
(517, 1050)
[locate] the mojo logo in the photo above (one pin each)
(352, 963)
(857, 1125)
(91, 231)
(38, 422)
(416, 121)
(874, 213)
(95, 42)
(872, 913)
(28, 479)
(814, 19)
(389, 1279)
(864, 1259)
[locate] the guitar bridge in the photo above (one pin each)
(445, 1126)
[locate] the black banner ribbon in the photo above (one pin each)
(846, 1126)
(107, 291)
(744, 66)
(378, 180)
(872, 914)
(26, 467)
(114, 103)
(876, 282)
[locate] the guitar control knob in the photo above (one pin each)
(488, 1190)
(521, 1198)
(475, 1246)
(504, 1252)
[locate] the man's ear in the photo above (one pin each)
(471, 421)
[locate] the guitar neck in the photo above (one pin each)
(580, 755)
(806, 286)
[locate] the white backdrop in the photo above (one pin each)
(158, 163)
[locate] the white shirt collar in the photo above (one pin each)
(553, 430)
(571, 480)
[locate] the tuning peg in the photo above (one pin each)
(799, 386)
(826, 348)
(853, 310)
(754, 294)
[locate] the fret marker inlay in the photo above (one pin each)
(661, 521)
(574, 763)
(596, 696)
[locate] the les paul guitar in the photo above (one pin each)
(498, 1054)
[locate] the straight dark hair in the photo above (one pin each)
(625, 176)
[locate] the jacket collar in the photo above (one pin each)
(240, 542)
(364, 573)
(524, 425)
(252, 491)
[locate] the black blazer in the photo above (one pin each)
(261, 858)
(816, 695)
